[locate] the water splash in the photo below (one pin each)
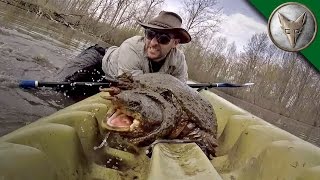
(103, 143)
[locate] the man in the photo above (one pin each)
(155, 52)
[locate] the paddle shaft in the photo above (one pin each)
(212, 85)
(35, 84)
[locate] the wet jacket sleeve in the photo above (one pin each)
(181, 71)
(129, 60)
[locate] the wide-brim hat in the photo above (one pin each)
(168, 22)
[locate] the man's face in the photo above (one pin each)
(158, 44)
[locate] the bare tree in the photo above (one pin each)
(121, 19)
(253, 52)
(231, 53)
(151, 5)
(285, 76)
(201, 16)
(215, 56)
(305, 77)
(105, 9)
(120, 5)
(96, 8)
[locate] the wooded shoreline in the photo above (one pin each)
(69, 20)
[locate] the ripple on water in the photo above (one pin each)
(32, 48)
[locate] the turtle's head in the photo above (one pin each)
(133, 114)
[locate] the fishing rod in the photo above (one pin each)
(29, 84)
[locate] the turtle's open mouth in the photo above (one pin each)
(119, 119)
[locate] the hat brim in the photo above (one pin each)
(181, 33)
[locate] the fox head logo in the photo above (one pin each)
(292, 28)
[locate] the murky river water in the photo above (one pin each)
(32, 48)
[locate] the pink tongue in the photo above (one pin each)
(121, 121)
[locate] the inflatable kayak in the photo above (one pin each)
(65, 145)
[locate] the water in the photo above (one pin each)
(32, 48)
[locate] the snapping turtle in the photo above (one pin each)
(159, 106)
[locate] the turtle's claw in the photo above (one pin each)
(110, 98)
(113, 90)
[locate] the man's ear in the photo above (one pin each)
(176, 42)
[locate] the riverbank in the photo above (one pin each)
(79, 21)
(69, 20)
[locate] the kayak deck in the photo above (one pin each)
(61, 146)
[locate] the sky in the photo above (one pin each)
(241, 20)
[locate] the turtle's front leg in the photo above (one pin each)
(112, 90)
(168, 141)
(206, 141)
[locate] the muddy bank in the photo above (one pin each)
(69, 20)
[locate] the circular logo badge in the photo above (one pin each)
(292, 26)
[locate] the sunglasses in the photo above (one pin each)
(162, 38)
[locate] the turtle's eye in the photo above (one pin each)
(167, 95)
(133, 104)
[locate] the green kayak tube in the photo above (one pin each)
(67, 145)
